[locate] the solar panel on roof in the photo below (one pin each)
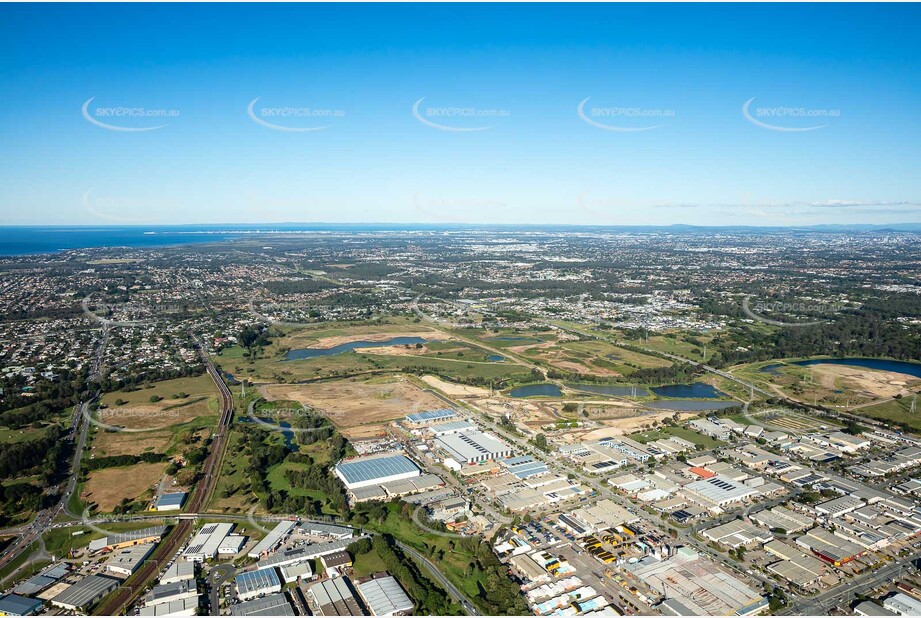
(381, 467)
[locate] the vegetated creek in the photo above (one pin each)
(880, 364)
(290, 442)
(304, 353)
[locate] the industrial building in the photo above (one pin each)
(272, 540)
(43, 580)
(17, 605)
(737, 533)
(128, 560)
(384, 597)
(422, 419)
(473, 447)
(327, 530)
(205, 544)
(717, 491)
(335, 597)
(170, 502)
(231, 545)
(128, 539)
(252, 584)
(167, 593)
(178, 572)
(829, 547)
(336, 562)
(85, 592)
(375, 470)
(269, 605)
(783, 518)
(293, 572)
(445, 429)
(182, 607)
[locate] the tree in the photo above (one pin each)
(540, 441)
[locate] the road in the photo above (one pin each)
(119, 600)
(845, 593)
(447, 585)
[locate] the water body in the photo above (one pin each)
(880, 364)
(606, 389)
(495, 358)
(536, 390)
(697, 389)
(692, 405)
(303, 353)
(30, 240)
(290, 442)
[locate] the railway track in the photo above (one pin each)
(119, 600)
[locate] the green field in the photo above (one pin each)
(678, 432)
(896, 411)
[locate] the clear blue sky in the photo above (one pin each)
(691, 68)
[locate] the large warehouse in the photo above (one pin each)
(473, 447)
(375, 469)
(252, 584)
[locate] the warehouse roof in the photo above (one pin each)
(274, 604)
(251, 581)
(86, 590)
(472, 445)
(430, 415)
(361, 470)
(16, 605)
(272, 539)
(335, 597)
(384, 596)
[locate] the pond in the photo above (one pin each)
(608, 389)
(698, 390)
(536, 390)
(303, 353)
(880, 364)
(495, 358)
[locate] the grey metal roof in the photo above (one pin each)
(270, 605)
(385, 596)
(86, 590)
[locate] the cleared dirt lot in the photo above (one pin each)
(107, 487)
(358, 408)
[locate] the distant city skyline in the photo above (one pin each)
(757, 115)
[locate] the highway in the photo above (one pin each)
(118, 601)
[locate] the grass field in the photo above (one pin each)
(897, 411)
(678, 432)
(367, 564)
(232, 477)
(13, 436)
(107, 487)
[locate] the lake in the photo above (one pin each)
(304, 353)
(536, 390)
(607, 389)
(880, 364)
(698, 390)
(691, 405)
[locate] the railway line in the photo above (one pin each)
(118, 601)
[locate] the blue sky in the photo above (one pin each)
(681, 73)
